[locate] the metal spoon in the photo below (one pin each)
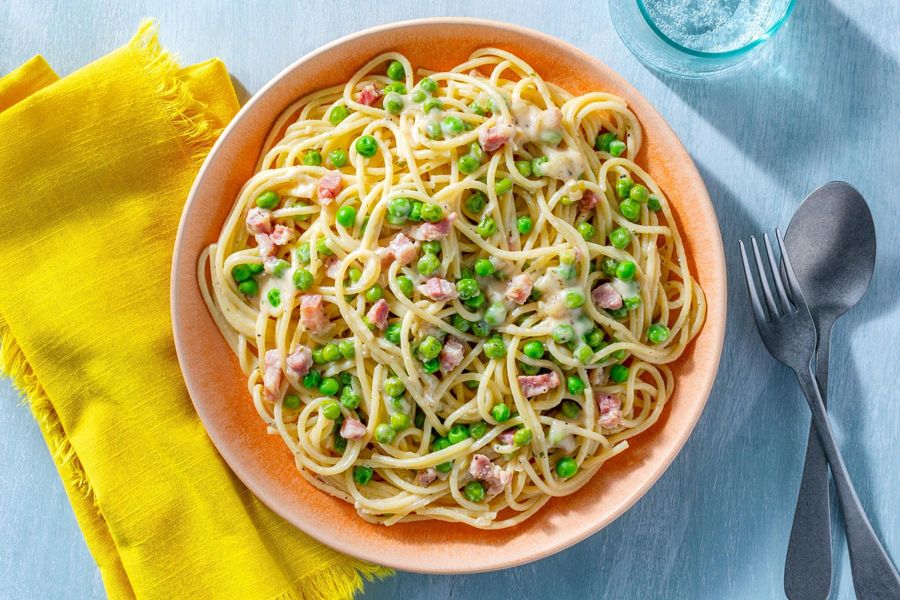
(831, 241)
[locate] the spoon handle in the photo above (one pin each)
(807, 566)
(874, 575)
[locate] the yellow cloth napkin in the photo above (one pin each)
(94, 170)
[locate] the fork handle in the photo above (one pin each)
(807, 565)
(874, 575)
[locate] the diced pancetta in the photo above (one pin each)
(272, 374)
(610, 410)
(400, 249)
(329, 187)
(429, 232)
(606, 296)
(332, 266)
(378, 314)
(519, 288)
(281, 235)
(506, 437)
(492, 475)
(588, 201)
(535, 385)
(300, 360)
(312, 313)
(265, 245)
(451, 354)
(370, 95)
(439, 289)
(492, 138)
(259, 220)
(426, 476)
(352, 429)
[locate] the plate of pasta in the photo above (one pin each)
(436, 298)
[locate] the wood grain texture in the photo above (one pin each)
(821, 105)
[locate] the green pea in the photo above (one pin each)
(566, 271)
(393, 103)
(291, 402)
(566, 467)
(432, 213)
(639, 193)
(417, 96)
(460, 323)
(617, 148)
(500, 412)
(362, 475)
(524, 224)
(458, 433)
(406, 285)
(494, 348)
(468, 164)
(415, 211)
(594, 338)
(428, 84)
(338, 114)
(586, 230)
(347, 348)
(495, 314)
(241, 273)
(303, 253)
(533, 349)
(312, 379)
(583, 354)
(551, 137)
(623, 186)
(630, 209)
(537, 165)
(480, 329)
(330, 352)
(573, 298)
(654, 204)
(474, 491)
(451, 125)
(430, 347)
(303, 279)
(477, 430)
(567, 201)
(331, 409)
(433, 104)
(274, 297)
(575, 384)
(503, 186)
(428, 264)
(619, 313)
(366, 146)
(522, 437)
(312, 158)
(476, 151)
(478, 110)
(396, 71)
(399, 207)
(466, 273)
(337, 158)
(433, 128)
(563, 334)
(487, 227)
(256, 268)
(467, 288)
(374, 293)
(658, 333)
(570, 408)
(608, 266)
(346, 216)
(626, 270)
(396, 87)
(484, 267)
(619, 373)
(394, 387)
(384, 433)
(249, 287)
(527, 369)
(392, 333)
(524, 167)
(280, 267)
(329, 386)
(322, 247)
(268, 200)
(350, 399)
(603, 141)
(620, 238)
(399, 421)
(432, 365)
(432, 247)
(475, 203)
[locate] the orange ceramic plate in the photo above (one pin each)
(218, 387)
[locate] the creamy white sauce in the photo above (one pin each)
(626, 289)
(563, 164)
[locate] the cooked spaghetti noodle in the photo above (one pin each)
(454, 297)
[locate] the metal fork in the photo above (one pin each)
(787, 330)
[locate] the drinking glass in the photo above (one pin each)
(697, 38)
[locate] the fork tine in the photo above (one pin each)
(764, 279)
(758, 311)
(796, 292)
(776, 274)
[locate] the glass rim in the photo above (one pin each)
(727, 53)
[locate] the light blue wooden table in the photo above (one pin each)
(823, 105)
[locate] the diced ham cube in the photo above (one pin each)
(493, 138)
(281, 235)
(610, 410)
(596, 376)
(332, 266)
(272, 374)
(588, 201)
(451, 354)
(259, 220)
(378, 314)
(519, 288)
(352, 429)
(606, 296)
(312, 313)
(507, 436)
(403, 249)
(265, 245)
(535, 385)
(492, 475)
(439, 289)
(429, 232)
(426, 476)
(300, 360)
(370, 95)
(329, 187)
